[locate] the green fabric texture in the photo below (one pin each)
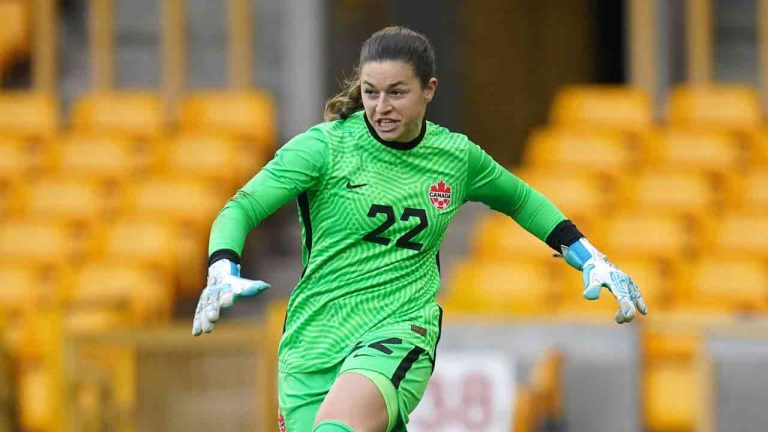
(332, 426)
(380, 357)
(504, 192)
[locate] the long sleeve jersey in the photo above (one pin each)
(373, 214)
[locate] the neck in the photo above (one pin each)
(398, 145)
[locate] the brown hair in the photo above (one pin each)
(390, 43)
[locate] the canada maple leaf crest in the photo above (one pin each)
(440, 195)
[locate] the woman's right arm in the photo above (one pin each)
(298, 166)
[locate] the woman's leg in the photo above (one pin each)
(354, 403)
(300, 396)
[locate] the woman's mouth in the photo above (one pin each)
(386, 125)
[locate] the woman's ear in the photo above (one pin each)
(430, 89)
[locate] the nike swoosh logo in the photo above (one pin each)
(355, 186)
(362, 355)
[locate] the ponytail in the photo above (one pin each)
(347, 102)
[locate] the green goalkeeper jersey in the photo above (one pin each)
(373, 214)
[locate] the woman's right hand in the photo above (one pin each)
(224, 287)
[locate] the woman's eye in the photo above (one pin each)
(369, 92)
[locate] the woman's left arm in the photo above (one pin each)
(490, 183)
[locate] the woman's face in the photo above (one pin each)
(394, 99)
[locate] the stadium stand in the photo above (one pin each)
(210, 156)
(28, 115)
(500, 288)
(726, 107)
(602, 107)
(569, 150)
(725, 284)
(683, 149)
(101, 157)
(138, 115)
(676, 192)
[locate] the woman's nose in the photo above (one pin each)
(383, 105)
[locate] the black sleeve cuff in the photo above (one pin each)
(224, 254)
(564, 234)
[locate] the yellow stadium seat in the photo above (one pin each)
(179, 199)
(100, 157)
(670, 192)
(11, 201)
(205, 156)
(579, 196)
(670, 391)
(142, 293)
(135, 114)
(578, 150)
(739, 234)
(680, 343)
(20, 286)
(732, 107)
(750, 191)
(29, 115)
(497, 236)
(623, 108)
(41, 242)
(726, 284)
(242, 114)
(15, 160)
(501, 288)
(681, 149)
(68, 199)
(139, 241)
(655, 236)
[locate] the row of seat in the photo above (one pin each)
(611, 153)
(143, 114)
(205, 155)
(182, 199)
(629, 109)
(519, 286)
(648, 233)
(246, 114)
(582, 198)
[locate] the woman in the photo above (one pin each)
(377, 186)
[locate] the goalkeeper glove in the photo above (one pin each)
(598, 272)
(224, 287)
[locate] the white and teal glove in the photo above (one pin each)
(598, 272)
(224, 287)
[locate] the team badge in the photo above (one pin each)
(281, 422)
(440, 195)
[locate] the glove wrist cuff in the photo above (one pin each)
(580, 253)
(222, 269)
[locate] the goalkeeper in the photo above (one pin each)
(377, 186)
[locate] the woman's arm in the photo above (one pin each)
(298, 166)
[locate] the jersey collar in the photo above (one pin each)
(396, 144)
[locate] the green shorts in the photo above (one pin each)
(398, 368)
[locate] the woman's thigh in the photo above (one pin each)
(300, 396)
(380, 383)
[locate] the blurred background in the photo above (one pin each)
(125, 125)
